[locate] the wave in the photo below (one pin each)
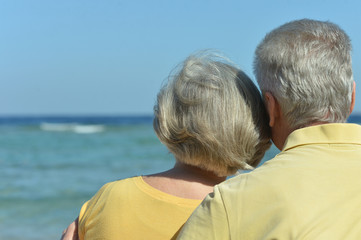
(85, 120)
(72, 127)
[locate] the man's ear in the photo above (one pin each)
(272, 108)
(353, 97)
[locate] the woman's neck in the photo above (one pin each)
(184, 181)
(194, 174)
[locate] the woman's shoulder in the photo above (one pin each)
(115, 190)
(126, 183)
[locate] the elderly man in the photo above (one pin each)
(312, 189)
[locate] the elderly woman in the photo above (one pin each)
(211, 117)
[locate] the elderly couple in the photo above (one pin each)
(214, 121)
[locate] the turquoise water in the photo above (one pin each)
(48, 170)
(45, 175)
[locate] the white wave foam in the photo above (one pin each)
(57, 127)
(85, 129)
(72, 127)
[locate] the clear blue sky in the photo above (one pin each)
(111, 56)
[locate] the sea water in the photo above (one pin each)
(49, 166)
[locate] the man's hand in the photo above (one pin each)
(71, 233)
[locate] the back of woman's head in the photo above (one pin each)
(210, 114)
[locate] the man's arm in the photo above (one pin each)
(208, 221)
(71, 233)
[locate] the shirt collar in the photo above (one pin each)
(324, 133)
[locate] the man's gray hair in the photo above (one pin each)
(306, 66)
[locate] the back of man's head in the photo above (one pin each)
(306, 66)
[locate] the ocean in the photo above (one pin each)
(49, 166)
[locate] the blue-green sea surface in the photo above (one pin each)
(46, 175)
(50, 166)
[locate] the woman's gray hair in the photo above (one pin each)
(306, 66)
(211, 115)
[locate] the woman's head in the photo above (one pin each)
(210, 114)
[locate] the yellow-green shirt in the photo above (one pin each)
(311, 190)
(132, 209)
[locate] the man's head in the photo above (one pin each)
(304, 67)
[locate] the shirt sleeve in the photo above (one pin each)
(86, 209)
(81, 228)
(208, 221)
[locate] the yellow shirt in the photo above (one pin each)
(311, 190)
(132, 209)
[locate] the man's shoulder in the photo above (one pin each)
(267, 179)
